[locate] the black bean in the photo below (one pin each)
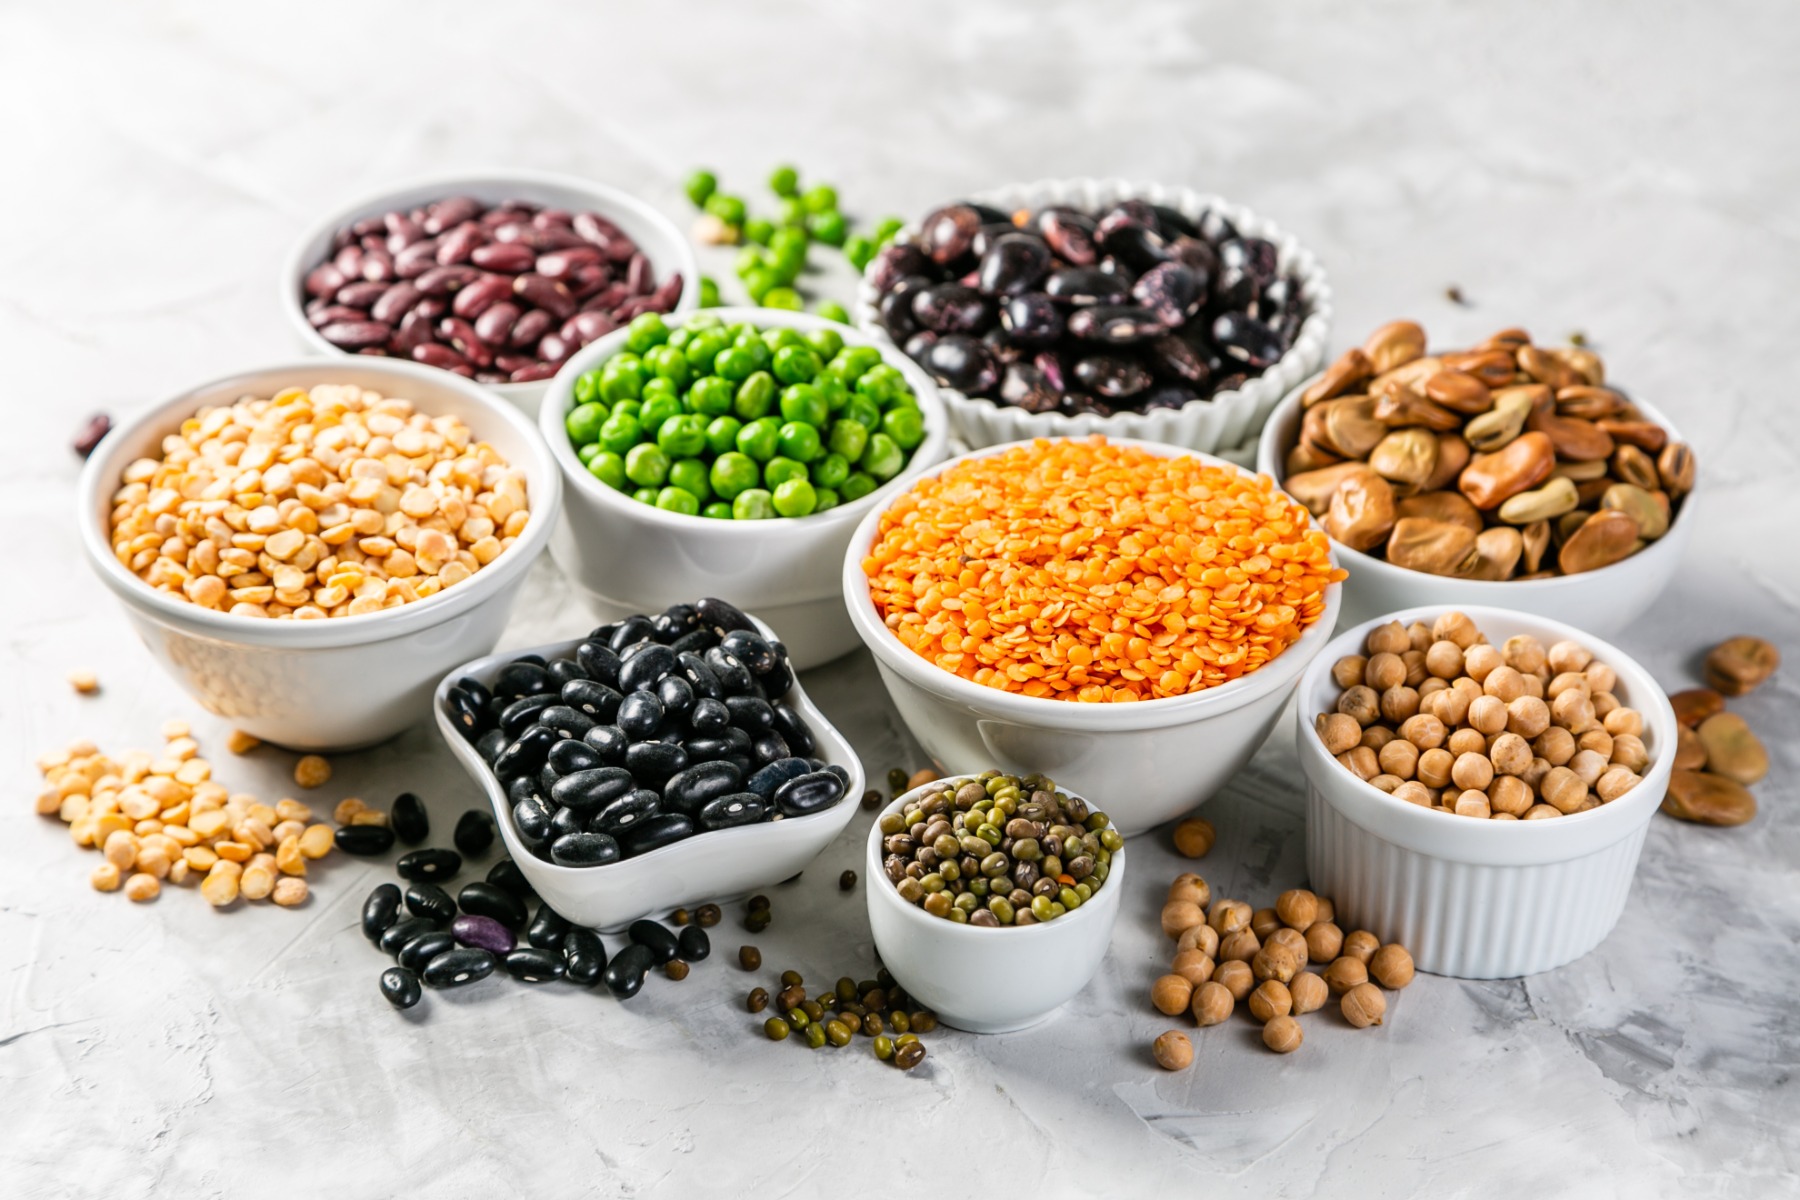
(548, 929)
(750, 713)
(380, 910)
(407, 815)
(780, 677)
(422, 949)
(599, 661)
(610, 741)
(709, 715)
(429, 864)
(526, 754)
(566, 821)
(584, 850)
(488, 900)
(490, 744)
(586, 791)
(365, 839)
(1083, 286)
(653, 833)
(692, 787)
(693, 945)
(546, 777)
(569, 756)
(675, 621)
(506, 874)
(654, 762)
(1247, 340)
(842, 773)
(625, 973)
(769, 747)
(793, 728)
(621, 814)
(474, 832)
(765, 782)
(566, 721)
(676, 695)
(962, 362)
(809, 793)
(454, 968)
(592, 699)
(630, 632)
(521, 678)
(564, 671)
(640, 714)
(751, 649)
(402, 932)
(657, 937)
(699, 675)
(586, 955)
(532, 817)
(645, 668)
(708, 749)
(467, 713)
(430, 901)
(475, 690)
(731, 809)
(734, 676)
(694, 642)
(400, 987)
(722, 617)
(528, 964)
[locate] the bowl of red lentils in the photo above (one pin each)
(1128, 617)
(308, 547)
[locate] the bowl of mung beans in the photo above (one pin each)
(733, 453)
(1487, 803)
(1127, 617)
(1021, 958)
(306, 548)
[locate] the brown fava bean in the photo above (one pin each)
(1314, 489)
(1675, 468)
(1690, 752)
(1460, 391)
(1491, 479)
(1708, 799)
(1732, 750)
(1739, 665)
(1603, 539)
(1350, 368)
(1694, 705)
(1432, 546)
(1407, 457)
(1361, 512)
(1394, 345)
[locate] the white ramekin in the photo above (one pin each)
(655, 235)
(1222, 421)
(720, 865)
(630, 557)
(1476, 899)
(987, 980)
(1143, 763)
(340, 682)
(1605, 601)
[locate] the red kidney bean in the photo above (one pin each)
(481, 295)
(546, 294)
(459, 244)
(585, 327)
(441, 281)
(90, 433)
(395, 302)
(461, 335)
(561, 264)
(331, 313)
(415, 330)
(513, 362)
(416, 259)
(639, 280)
(553, 348)
(432, 354)
(447, 214)
(496, 323)
(607, 298)
(529, 328)
(349, 261)
(666, 295)
(368, 225)
(550, 218)
(402, 231)
(503, 256)
(324, 280)
(340, 239)
(592, 227)
(377, 264)
(432, 307)
(353, 335)
(361, 294)
(533, 373)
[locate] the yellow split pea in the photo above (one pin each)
(1075, 569)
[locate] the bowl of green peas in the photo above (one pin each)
(732, 452)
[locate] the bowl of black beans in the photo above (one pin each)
(1068, 307)
(659, 760)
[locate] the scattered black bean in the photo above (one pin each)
(380, 911)
(395, 937)
(474, 832)
(488, 900)
(528, 964)
(455, 968)
(366, 840)
(693, 944)
(625, 973)
(656, 937)
(430, 901)
(548, 929)
(400, 987)
(422, 865)
(847, 881)
(408, 817)
(422, 949)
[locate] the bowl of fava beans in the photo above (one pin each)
(733, 452)
(992, 896)
(1479, 784)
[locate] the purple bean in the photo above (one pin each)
(416, 259)
(395, 302)
(90, 433)
(485, 932)
(434, 355)
(403, 231)
(481, 295)
(533, 373)
(606, 299)
(460, 334)
(447, 214)
(503, 256)
(560, 264)
(377, 264)
(585, 327)
(361, 294)
(552, 347)
(496, 323)
(546, 294)
(620, 249)
(529, 328)
(333, 313)
(458, 244)
(441, 281)
(353, 335)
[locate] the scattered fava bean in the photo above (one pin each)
(1739, 665)
(1363, 1005)
(1173, 1051)
(1282, 1034)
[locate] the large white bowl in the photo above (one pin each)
(631, 557)
(1605, 601)
(988, 980)
(341, 682)
(723, 864)
(1153, 759)
(1477, 899)
(655, 235)
(1219, 422)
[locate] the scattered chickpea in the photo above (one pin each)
(1263, 922)
(1173, 1051)
(1361, 945)
(1194, 837)
(1363, 1005)
(1229, 916)
(1195, 966)
(1189, 886)
(1240, 946)
(1298, 908)
(1236, 978)
(84, 682)
(1324, 941)
(1282, 1035)
(311, 771)
(1172, 994)
(1276, 962)
(1178, 916)
(1203, 938)
(1269, 1000)
(1213, 1003)
(1391, 966)
(1309, 992)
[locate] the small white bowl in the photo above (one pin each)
(655, 235)
(631, 557)
(1477, 899)
(1154, 759)
(341, 682)
(1605, 601)
(1227, 419)
(723, 864)
(987, 980)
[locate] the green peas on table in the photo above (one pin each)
(729, 209)
(859, 249)
(829, 471)
(796, 364)
(700, 186)
(721, 434)
(608, 468)
(887, 228)
(800, 441)
(779, 470)
(620, 433)
(647, 464)
(645, 331)
(584, 421)
(860, 484)
(783, 298)
(733, 474)
(820, 198)
(795, 498)
(791, 214)
(718, 510)
(802, 402)
(761, 282)
(682, 435)
(755, 396)
(848, 439)
(678, 500)
(831, 310)
(753, 505)
(792, 237)
(759, 230)
(760, 439)
(829, 227)
(784, 180)
(709, 292)
(710, 395)
(906, 426)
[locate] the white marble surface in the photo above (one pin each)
(1626, 172)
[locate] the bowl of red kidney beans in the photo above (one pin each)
(497, 277)
(1069, 307)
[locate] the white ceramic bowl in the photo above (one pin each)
(987, 980)
(630, 557)
(341, 682)
(1477, 899)
(655, 235)
(1154, 759)
(1216, 423)
(1605, 601)
(723, 864)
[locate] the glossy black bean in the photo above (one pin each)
(946, 234)
(654, 936)
(474, 832)
(564, 821)
(768, 747)
(640, 714)
(625, 973)
(365, 839)
(952, 308)
(707, 749)
(675, 621)
(536, 660)
(594, 700)
(528, 964)
(693, 944)
(1112, 375)
(585, 955)
(506, 874)
(521, 678)
(1078, 403)
(1013, 263)
(709, 716)
(793, 728)
(401, 932)
(600, 662)
(381, 910)
(1256, 256)
(842, 774)
(676, 695)
(517, 716)
(467, 713)
(1115, 324)
(586, 791)
(621, 814)
(1132, 245)
(569, 756)
(655, 832)
(422, 949)
(566, 721)
(809, 793)
(1247, 340)
(690, 788)
(776, 682)
(1024, 386)
(564, 671)
(546, 777)
(1069, 234)
(1032, 318)
(532, 817)
(770, 777)
(1197, 256)
(733, 676)
(490, 900)
(721, 616)
(428, 865)
(699, 676)
(894, 311)
(609, 741)
(751, 713)
(1172, 291)
(694, 642)
(751, 649)
(525, 754)
(400, 987)
(643, 669)
(654, 762)
(548, 929)
(584, 850)
(962, 362)
(1084, 286)
(454, 968)
(1171, 222)
(475, 690)
(430, 901)
(630, 632)
(896, 261)
(733, 808)
(919, 344)
(490, 744)
(408, 817)
(1234, 291)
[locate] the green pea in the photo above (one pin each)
(859, 250)
(647, 465)
(761, 282)
(679, 337)
(656, 387)
(718, 510)
(880, 383)
(775, 339)
(796, 364)
(645, 331)
(802, 402)
(831, 310)
(755, 397)
(760, 439)
(622, 381)
(678, 500)
(864, 412)
(689, 474)
(825, 343)
(830, 471)
(656, 410)
(700, 321)
(709, 292)
(748, 260)
(887, 228)
(668, 362)
(704, 347)
(646, 495)
(584, 422)
(820, 198)
(906, 426)
(759, 230)
(710, 395)
(739, 333)
(627, 408)
(682, 435)
(848, 439)
(783, 298)
(860, 484)
(779, 470)
(826, 498)
(784, 180)
(721, 433)
(589, 452)
(792, 237)
(620, 433)
(733, 474)
(753, 505)
(609, 469)
(795, 498)
(792, 214)
(587, 386)
(829, 227)
(700, 185)
(800, 441)
(735, 363)
(729, 209)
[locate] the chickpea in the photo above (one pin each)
(1282, 1035)
(1344, 973)
(1361, 703)
(1615, 783)
(1434, 767)
(1555, 746)
(1361, 945)
(1573, 711)
(1391, 638)
(1293, 939)
(1213, 1003)
(1444, 660)
(317, 841)
(1228, 916)
(1432, 686)
(1399, 703)
(1472, 803)
(1240, 946)
(1568, 656)
(1235, 977)
(1504, 683)
(1194, 837)
(1275, 962)
(1455, 627)
(1629, 752)
(1622, 722)
(1384, 671)
(1413, 792)
(1171, 994)
(1324, 909)
(1419, 634)
(1416, 673)
(1472, 772)
(1465, 741)
(1271, 999)
(1600, 677)
(1377, 736)
(1386, 782)
(1309, 992)
(1178, 916)
(1510, 754)
(1446, 704)
(1524, 654)
(1339, 731)
(1361, 762)
(1527, 716)
(1195, 966)
(1189, 886)
(1424, 731)
(1263, 922)
(1391, 966)
(1324, 941)
(1203, 938)
(1399, 758)
(105, 877)
(1363, 1005)
(1539, 812)
(1589, 765)
(1598, 741)
(1347, 672)
(1479, 662)
(1604, 704)
(289, 891)
(1173, 1051)
(1509, 795)
(1297, 908)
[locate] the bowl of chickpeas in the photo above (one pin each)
(1479, 784)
